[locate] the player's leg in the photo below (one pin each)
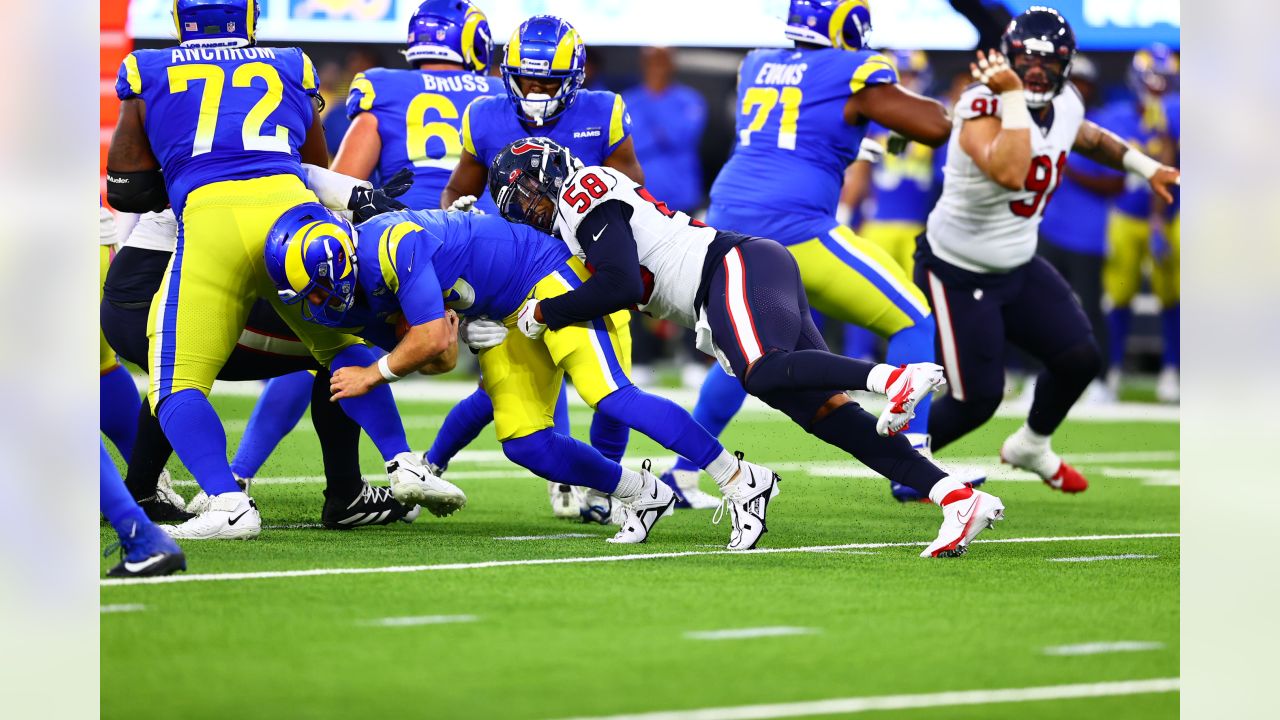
(609, 434)
(1127, 239)
(1044, 318)
(279, 408)
(118, 401)
(1166, 282)
(462, 424)
(146, 548)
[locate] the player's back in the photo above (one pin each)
(793, 144)
(419, 117)
(593, 126)
(215, 114)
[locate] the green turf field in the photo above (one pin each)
(448, 619)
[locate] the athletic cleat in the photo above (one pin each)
(564, 501)
(199, 504)
(1043, 461)
(413, 484)
(747, 494)
(166, 505)
(437, 470)
(373, 506)
(595, 506)
(965, 513)
(688, 494)
(906, 387)
(1168, 389)
(655, 501)
(147, 551)
(231, 516)
(411, 515)
(164, 489)
(969, 475)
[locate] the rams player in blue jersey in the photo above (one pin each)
(803, 113)
(415, 268)
(229, 122)
(1139, 229)
(543, 70)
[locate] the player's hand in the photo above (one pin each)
(870, 151)
(1163, 179)
(353, 381)
(528, 322)
(366, 203)
(896, 144)
(993, 70)
(482, 333)
(467, 204)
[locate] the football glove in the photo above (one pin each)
(896, 144)
(526, 321)
(467, 204)
(870, 151)
(482, 333)
(367, 203)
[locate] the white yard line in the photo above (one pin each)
(557, 536)
(318, 572)
(418, 620)
(1098, 648)
(841, 706)
(1148, 476)
(1097, 558)
(122, 608)
(748, 633)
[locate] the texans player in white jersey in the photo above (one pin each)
(976, 260)
(744, 297)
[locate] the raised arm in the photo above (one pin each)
(999, 146)
(1099, 144)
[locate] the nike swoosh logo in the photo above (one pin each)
(140, 566)
(236, 519)
(752, 482)
(597, 235)
(965, 518)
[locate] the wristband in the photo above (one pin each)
(385, 369)
(1139, 164)
(1016, 116)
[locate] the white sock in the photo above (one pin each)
(943, 488)
(878, 378)
(1030, 437)
(629, 485)
(723, 468)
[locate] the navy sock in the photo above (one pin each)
(150, 453)
(562, 459)
(719, 400)
(1118, 322)
(339, 437)
(279, 408)
(853, 430)
(1171, 326)
(798, 370)
(114, 499)
(118, 409)
(664, 421)
(376, 411)
(914, 345)
(196, 433)
(463, 424)
(609, 435)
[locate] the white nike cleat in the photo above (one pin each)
(965, 513)
(164, 489)
(906, 387)
(413, 484)
(748, 494)
(639, 515)
(231, 516)
(564, 501)
(689, 494)
(1167, 385)
(199, 504)
(1026, 451)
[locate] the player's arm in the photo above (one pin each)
(856, 188)
(468, 178)
(1107, 185)
(999, 146)
(1101, 145)
(315, 150)
(624, 160)
(916, 117)
(134, 181)
(360, 149)
(615, 283)
(431, 348)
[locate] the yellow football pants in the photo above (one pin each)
(897, 239)
(106, 356)
(1129, 252)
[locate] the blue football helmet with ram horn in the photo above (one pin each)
(841, 24)
(450, 31)
(216, 23)
(311, 258)
(544, 47)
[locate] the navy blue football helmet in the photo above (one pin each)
(526, 177)
(1040, 46)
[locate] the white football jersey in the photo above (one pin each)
(155, 231)
(672, 246)
(979, 225)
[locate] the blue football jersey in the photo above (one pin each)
(420, 124)
(415, 263)
(592, 128)
(215, 114)
(793, 144)
(1144, 131)
(906, 186)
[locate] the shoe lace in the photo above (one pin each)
(119, 543)
(718, 515)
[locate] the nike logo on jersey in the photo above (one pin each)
(597, 235)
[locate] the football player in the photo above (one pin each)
(745, 299)
(145, 549)
(803, 113)
(977, 258)
(118, 402)
(229, 122)
(543, 70)
(412, 264)
(1139, 228)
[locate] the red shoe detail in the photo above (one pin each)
(963, 493)
(1068, 480)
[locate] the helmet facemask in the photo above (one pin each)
(1043, 74)
(528, 200)
(538, 105)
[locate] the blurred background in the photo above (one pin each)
(675, 64)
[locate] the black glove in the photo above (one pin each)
(367, 203)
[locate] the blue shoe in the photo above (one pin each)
(668, 478)
(147, 550)
(688, 495)
(904, 494)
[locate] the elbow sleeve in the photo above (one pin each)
(137, 192)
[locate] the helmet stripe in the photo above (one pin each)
(513, 49)
(469, 55)
(835, 27)
(295, 266)
(565, 50)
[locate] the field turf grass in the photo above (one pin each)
(557, 640)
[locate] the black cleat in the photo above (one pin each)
(373, 506)
(159, 509)
(147, 551)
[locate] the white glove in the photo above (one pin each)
(870, 151)
(482, 333)
(466, 204)
(332, 188)
(531, 328)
